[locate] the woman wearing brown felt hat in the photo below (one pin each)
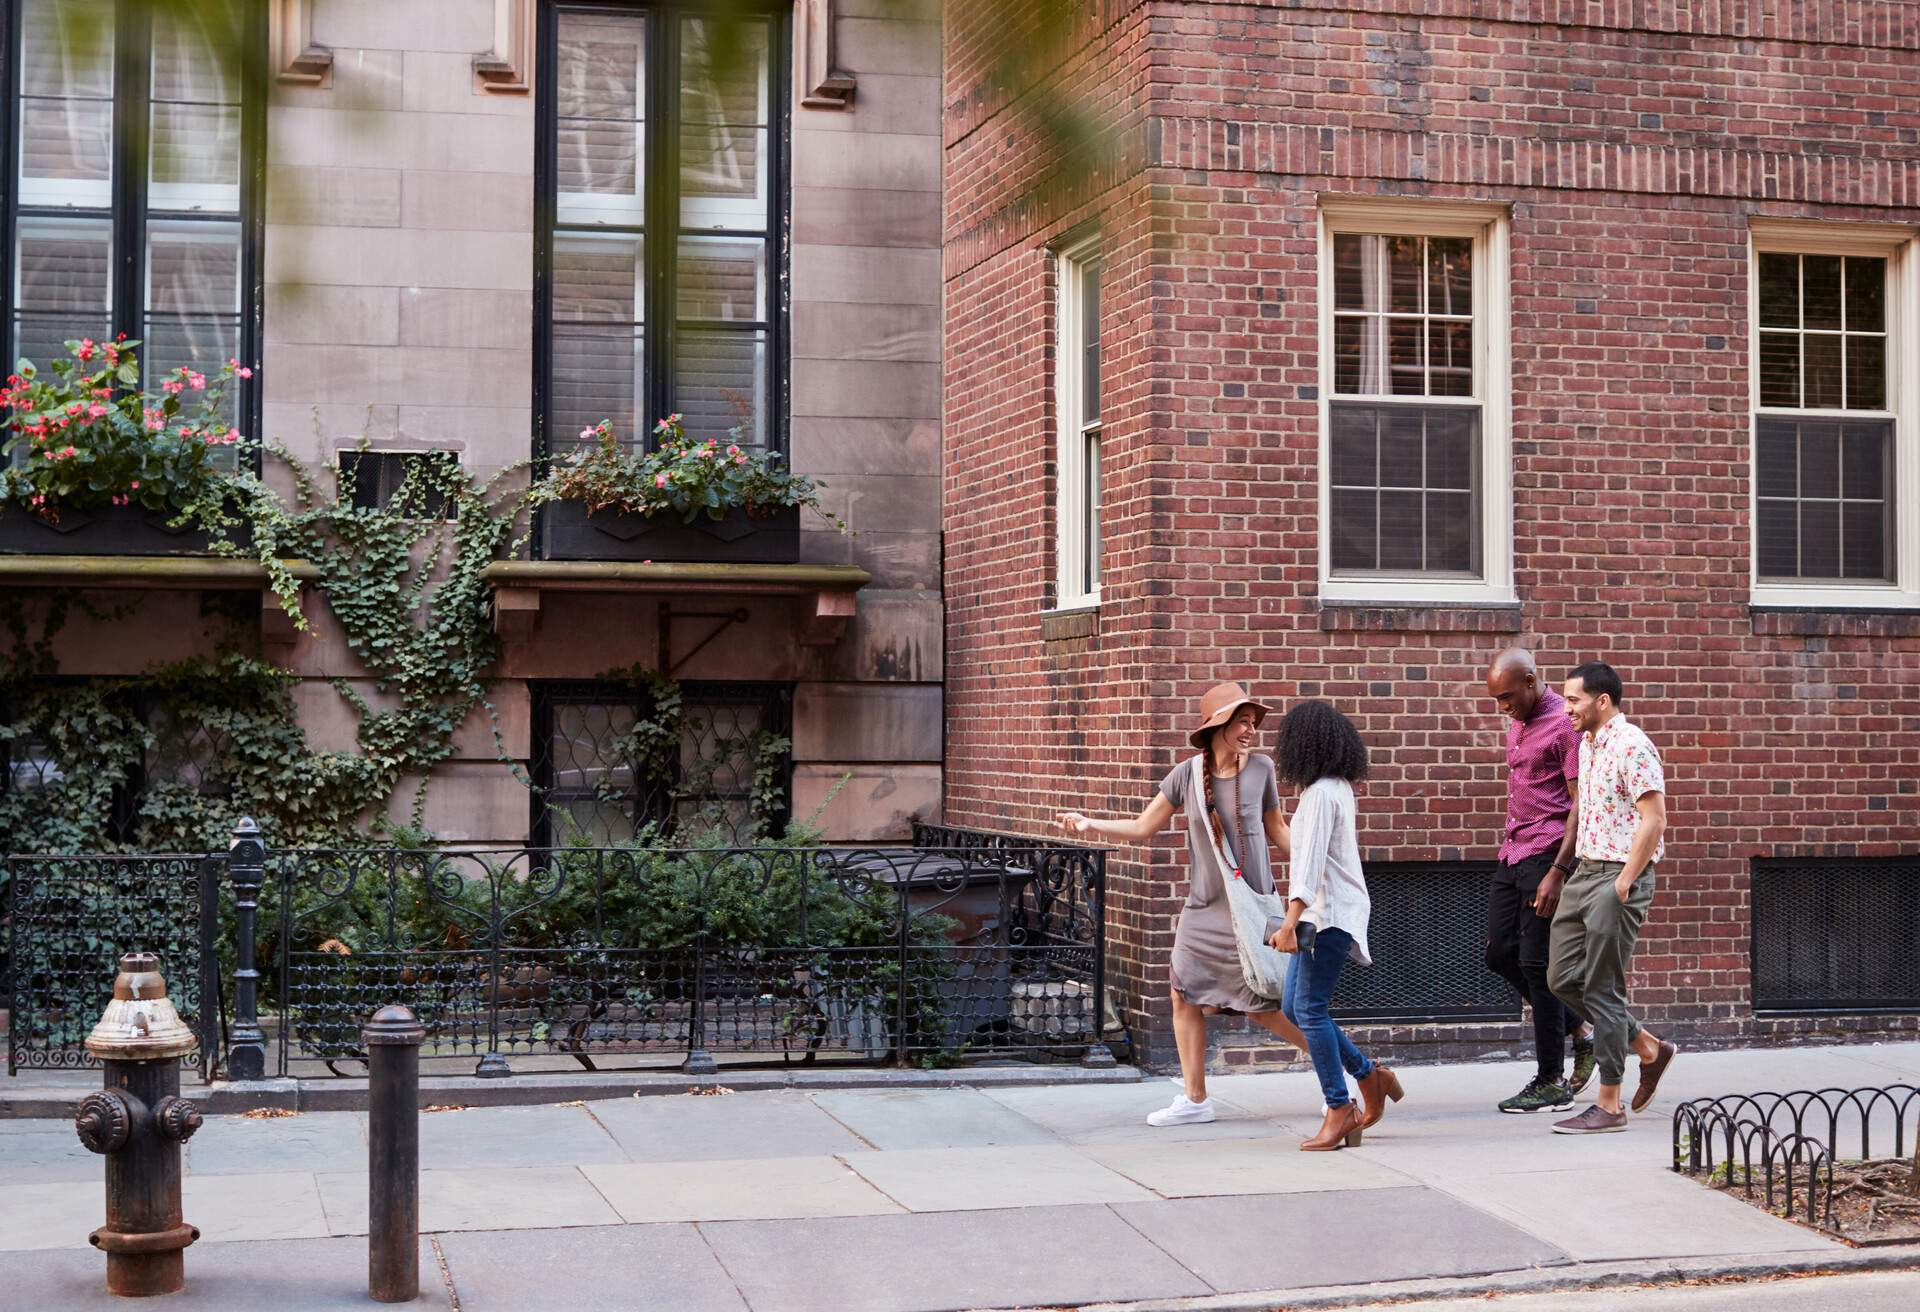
(1207, 975)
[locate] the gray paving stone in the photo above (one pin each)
(1608, 1213)
(757, 1189)
(507, 1198)
(514, 1136)
(1117, 1112)
(963, 1179)
(312, 1141)
(1242, 1166)
(653, 1268)
(310, 1275)
(737, 1126)
(1030, 1257)
(1293, 1240)
(931, 1118)
(45, 1155)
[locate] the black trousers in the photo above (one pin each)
(1517, 952)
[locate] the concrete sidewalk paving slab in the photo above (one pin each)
(515, 1136)
(939, 1262)
(732, 1127)
(1439, 1150)
(1355, 1237)
(654, 1268)
(230, 1208)
(1602, 1214)
(313, 1141)
(930, 1118)
(763, 1188)
(45, 1156)
(1115, 1112)
(301, 1275)
(1242, 1166)
(509, 1198)
(226, 1208)
(972, 1179)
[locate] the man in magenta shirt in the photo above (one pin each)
(1536, 852)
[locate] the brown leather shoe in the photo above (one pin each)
(1341, 1129)
(1650, 1073)
(1376, 1087)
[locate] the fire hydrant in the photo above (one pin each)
(138, 1122)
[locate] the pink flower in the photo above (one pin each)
(172, 387)
(659, 480)
(75, 407)
(740, 459)
(96, 410)
(233, 435)
(586, 433)
(67, 454)
(86, 349)
(244, 372)
(135, 485)
(732, 450)
(198, 382)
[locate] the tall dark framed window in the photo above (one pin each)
(1825, 449)
(660, 211)
(134, 163)
(599, 777)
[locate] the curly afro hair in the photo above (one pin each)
(1317, 742)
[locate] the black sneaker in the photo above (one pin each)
(1539, 1096)
(1583, 1065)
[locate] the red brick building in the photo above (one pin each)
(1362, 339)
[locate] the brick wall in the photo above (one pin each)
(1632, 142)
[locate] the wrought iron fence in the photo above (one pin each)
(639, 955)
(1787, 1143)
(69, 920)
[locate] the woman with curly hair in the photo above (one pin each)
(1321, 753)
(1206, 971)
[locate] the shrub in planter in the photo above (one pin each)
(683, 500)
(89, 447)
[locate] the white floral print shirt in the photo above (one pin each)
(1618, 766)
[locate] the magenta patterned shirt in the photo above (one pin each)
(1543, 756)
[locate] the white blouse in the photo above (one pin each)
(1325, 870)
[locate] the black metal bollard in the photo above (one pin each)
(247, 868)
(138, 1122)
(393, 1038)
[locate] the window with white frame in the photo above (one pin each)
(1832, 447)
(1078, 404)
(1414, 482)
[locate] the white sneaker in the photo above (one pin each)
(1183, 1111)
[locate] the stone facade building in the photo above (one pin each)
(452, 227)
(1336, 346)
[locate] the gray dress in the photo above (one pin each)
(1206, 960)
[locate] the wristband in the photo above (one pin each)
(1557, 866)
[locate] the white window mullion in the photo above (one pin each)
(1077, 444)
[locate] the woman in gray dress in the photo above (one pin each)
(1246, 821)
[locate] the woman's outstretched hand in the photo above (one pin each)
(1073, 823)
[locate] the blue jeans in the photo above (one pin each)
(1310, 986)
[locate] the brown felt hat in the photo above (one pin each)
(1218, 706)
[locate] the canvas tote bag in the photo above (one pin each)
(1264, 966)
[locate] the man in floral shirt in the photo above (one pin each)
(1623, 816)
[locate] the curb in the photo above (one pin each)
(1571, 1278)
(319, 1095)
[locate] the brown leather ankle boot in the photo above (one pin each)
(1341, 1129)
(1376, 1087)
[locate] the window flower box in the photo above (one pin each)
(685, 501)
(124, 530)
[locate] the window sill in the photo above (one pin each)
(1070, 624)
(827, 591)
(1424, 617)
(1836, 621)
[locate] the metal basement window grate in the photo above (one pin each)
(1428, 938)
(1836, 933)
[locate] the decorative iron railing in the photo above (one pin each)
(963, 945)
(69, 919)
(1787, 1143)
